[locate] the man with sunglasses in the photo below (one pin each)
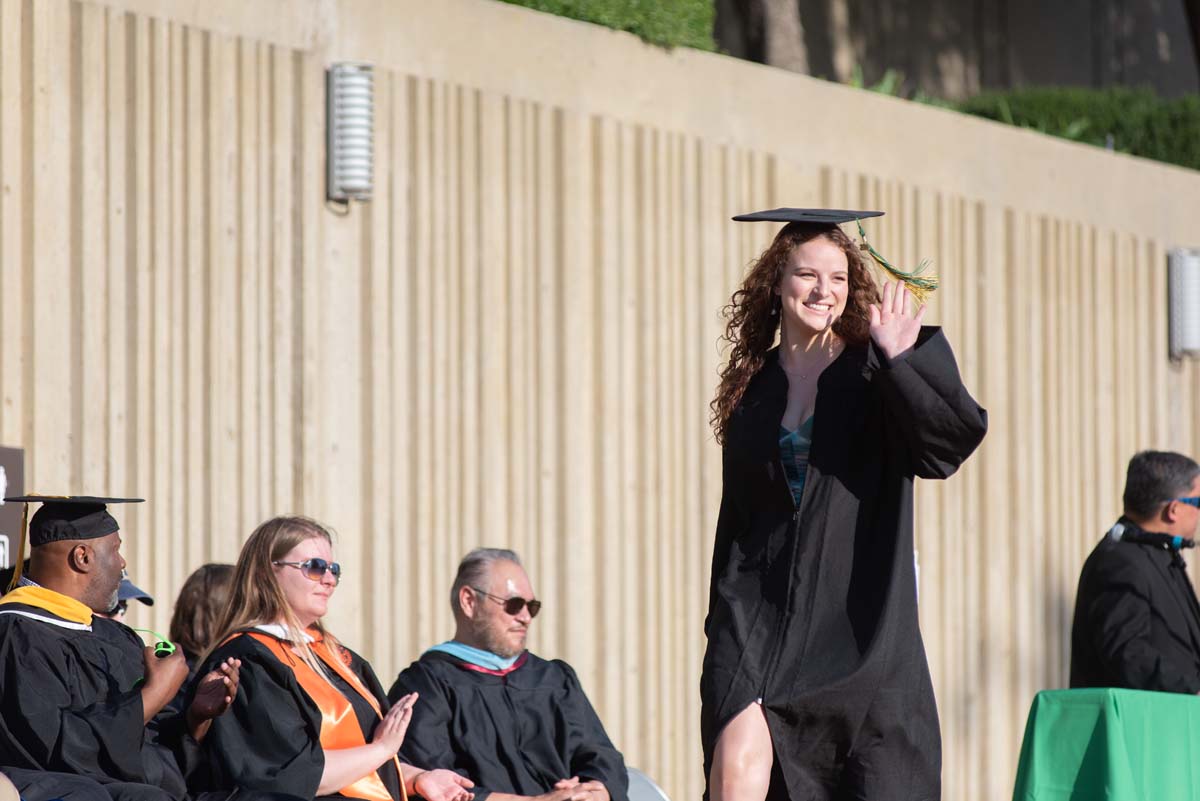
(518, 726)
(1137, 620)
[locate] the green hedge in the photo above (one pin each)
(669, 23)
(1134, 121)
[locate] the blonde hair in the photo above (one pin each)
(256, 597)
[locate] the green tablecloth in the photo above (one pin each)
(1110, 745)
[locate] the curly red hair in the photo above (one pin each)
(753, 319)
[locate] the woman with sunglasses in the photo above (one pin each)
(310, 718)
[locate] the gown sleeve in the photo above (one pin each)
(592, 756)
(1119, 625)
(930, 413)
(265, 741)
(46, 727)
(427, 744)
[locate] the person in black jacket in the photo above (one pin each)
(1137, 622)
(815, 683)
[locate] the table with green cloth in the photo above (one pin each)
(1110, 745)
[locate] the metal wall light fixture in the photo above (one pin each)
(1183, 291)
(350, 132)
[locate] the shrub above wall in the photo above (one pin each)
(669, 23)
(1134, 121)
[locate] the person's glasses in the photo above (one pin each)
(1194, 500)
(514, 605)
(119, 609)
(315, 569)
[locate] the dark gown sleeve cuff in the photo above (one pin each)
(925, 371)
(887, 364)
(939, 424)
(879, 360)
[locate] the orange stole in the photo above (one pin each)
(339, 724)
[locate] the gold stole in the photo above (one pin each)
(53, 602)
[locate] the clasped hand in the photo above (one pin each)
(573, 789)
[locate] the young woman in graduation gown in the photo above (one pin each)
(815, 683)
(310, 718)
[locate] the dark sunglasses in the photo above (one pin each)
(1194, 500)
(315, 569)
(513, 606)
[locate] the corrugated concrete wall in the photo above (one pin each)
(516, 341)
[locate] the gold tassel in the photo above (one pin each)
(920, 286)
(20, 566)
(24, 541)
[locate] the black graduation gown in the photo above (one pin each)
(71, 705)
(814, 610)
(1137, 622)
(517, 733)
(269, 739)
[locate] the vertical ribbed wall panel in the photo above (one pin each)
(514, 344)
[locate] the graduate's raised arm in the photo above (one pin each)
(930, 412)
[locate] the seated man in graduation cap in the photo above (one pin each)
(77, 690)
(517, 725)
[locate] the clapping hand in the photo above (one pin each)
(391, 730)
(892, 327)
(214, 694)
(216, 690)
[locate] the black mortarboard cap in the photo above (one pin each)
(66, 517)
(919, 282)
(79, 517)
(818, 216)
